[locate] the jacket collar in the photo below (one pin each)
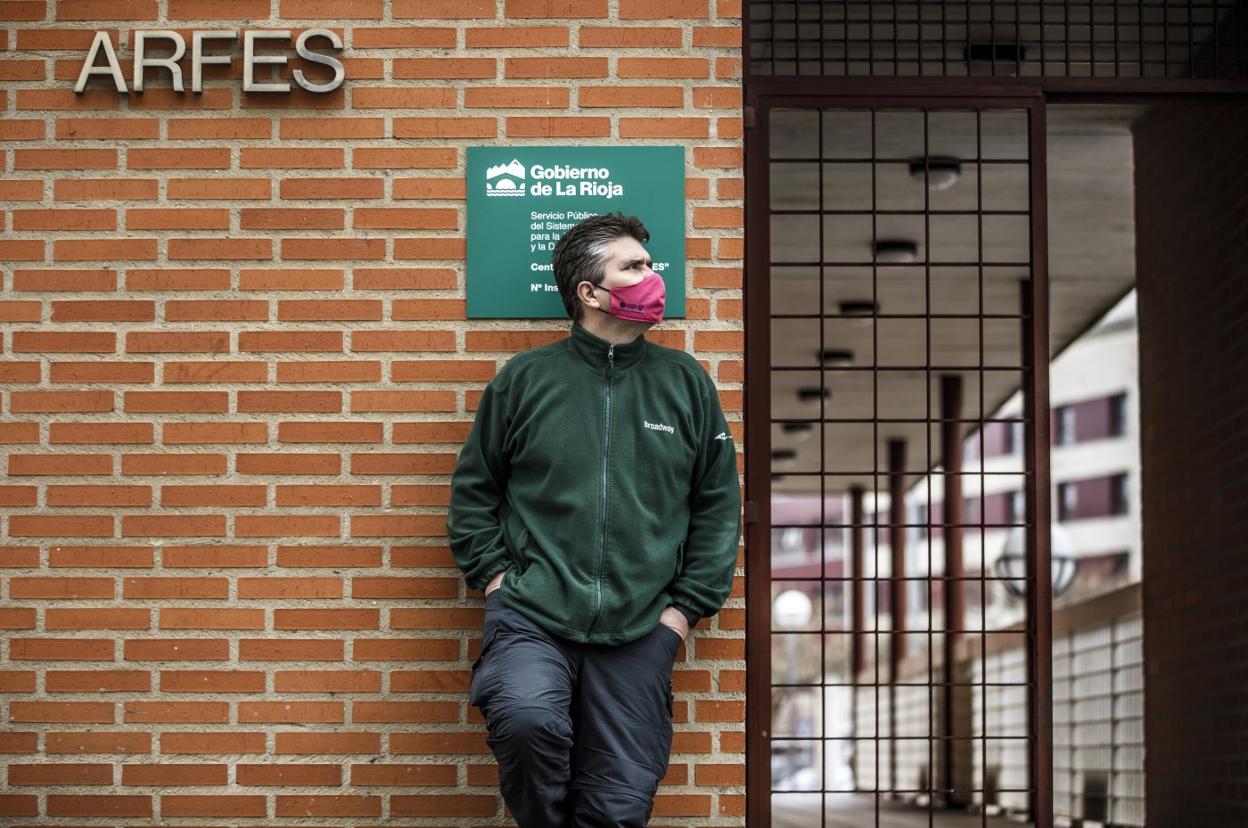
(593, 349)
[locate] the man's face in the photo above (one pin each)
(627, 263)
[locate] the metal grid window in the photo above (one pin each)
(1101, 39)
(900, 310)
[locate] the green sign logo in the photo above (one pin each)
(505, 179)
(521, 200)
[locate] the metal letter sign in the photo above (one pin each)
(521, 200)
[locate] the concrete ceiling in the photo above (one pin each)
(1091, 253)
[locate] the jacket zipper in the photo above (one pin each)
(606, 450)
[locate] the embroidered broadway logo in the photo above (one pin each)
(658, 427)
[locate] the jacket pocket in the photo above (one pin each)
(489, 631)
(488, 639)
(477, 676)
(680, 557)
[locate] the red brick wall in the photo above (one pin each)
(236, 371)
(1191, 203)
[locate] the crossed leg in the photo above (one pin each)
(522, 684)
(623, 723)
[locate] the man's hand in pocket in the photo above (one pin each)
(675, 619)
(495, 582)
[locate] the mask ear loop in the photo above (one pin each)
(599, 308)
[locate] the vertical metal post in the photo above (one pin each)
(897, 543)
(1034, 294)
(858, 608)
(858, 612)
(897, 589)
(951, 518)
(757, 470)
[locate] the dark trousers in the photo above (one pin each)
(581, 732)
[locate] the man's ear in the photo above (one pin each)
(587, 295)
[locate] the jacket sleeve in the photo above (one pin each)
(710, 559)
(478, 487)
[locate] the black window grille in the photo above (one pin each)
(1157, 39)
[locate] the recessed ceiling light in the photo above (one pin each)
(837, 357)
(858, 307)
(896, 251)
(942, 171)
(797, 428)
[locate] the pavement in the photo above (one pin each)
(860, 811)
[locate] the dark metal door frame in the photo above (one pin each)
(765, 92)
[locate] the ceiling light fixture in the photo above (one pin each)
(799, 430)
(896, 251)
(858, 307)
(942, 171)
(837, 357)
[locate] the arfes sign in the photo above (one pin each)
(143, 41)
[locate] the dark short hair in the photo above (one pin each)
(581, 256)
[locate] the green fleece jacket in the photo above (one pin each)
(603, 478)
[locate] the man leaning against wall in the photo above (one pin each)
(596, 503)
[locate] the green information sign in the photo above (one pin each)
(521, 200)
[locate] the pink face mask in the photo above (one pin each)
(642, 302)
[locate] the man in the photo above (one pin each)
(595, 502)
